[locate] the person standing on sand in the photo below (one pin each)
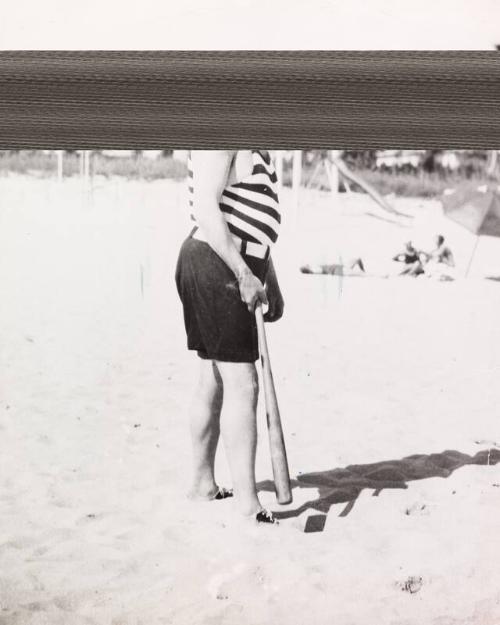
(224, 270)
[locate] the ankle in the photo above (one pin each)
(249, 508)
(203, 487)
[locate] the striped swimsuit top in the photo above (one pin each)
(250, 206)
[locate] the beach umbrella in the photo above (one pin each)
(476, 208)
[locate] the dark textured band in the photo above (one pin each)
(303, 99)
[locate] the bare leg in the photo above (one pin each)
(205, 429)
(416, 269)
(357, 262)
(239, 430)
(406, 270)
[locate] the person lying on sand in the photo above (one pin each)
(440, 262)
(410, 256)
(355, 267)
(224, 270)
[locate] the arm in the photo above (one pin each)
(274, 296)
(211, 170)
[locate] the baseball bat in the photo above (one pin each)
(279, 461)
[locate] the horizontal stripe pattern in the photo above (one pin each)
(250, 206)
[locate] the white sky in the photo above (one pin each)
(250, 24)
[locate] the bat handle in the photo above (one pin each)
(261, 331)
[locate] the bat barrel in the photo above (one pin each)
(279, 461)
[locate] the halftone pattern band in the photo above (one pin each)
(249, 99)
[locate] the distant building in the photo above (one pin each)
(417, 159)
(448, 160)
(118, 153)
(399, 159)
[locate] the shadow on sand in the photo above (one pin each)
(345, 485)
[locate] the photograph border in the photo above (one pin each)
(95, 259)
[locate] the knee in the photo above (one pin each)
(250, 386)
(247, 387)
(240, 381)
(209, 381)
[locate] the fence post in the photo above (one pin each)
(60, 154)
(278, 160)
(86, 167)
(296, 179)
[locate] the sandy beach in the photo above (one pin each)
(389, 396)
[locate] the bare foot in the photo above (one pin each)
(216, 493)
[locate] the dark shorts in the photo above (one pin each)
(218, 324)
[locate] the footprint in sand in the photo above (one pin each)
(35, 606)
(411, 584)
(231, 613)
(89, 518)
(19, 543)
(67, 603)
(217, 584)
(232, 583)
(417, 509)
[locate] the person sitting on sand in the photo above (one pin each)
(224, 270)
(410, 256)
(355, 267)
(440, 262)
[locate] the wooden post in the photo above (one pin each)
(278, 163)
(309, 183)
(86, 167)
(492, 162)
(296, 178)
(332, 171)
(60, 154)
